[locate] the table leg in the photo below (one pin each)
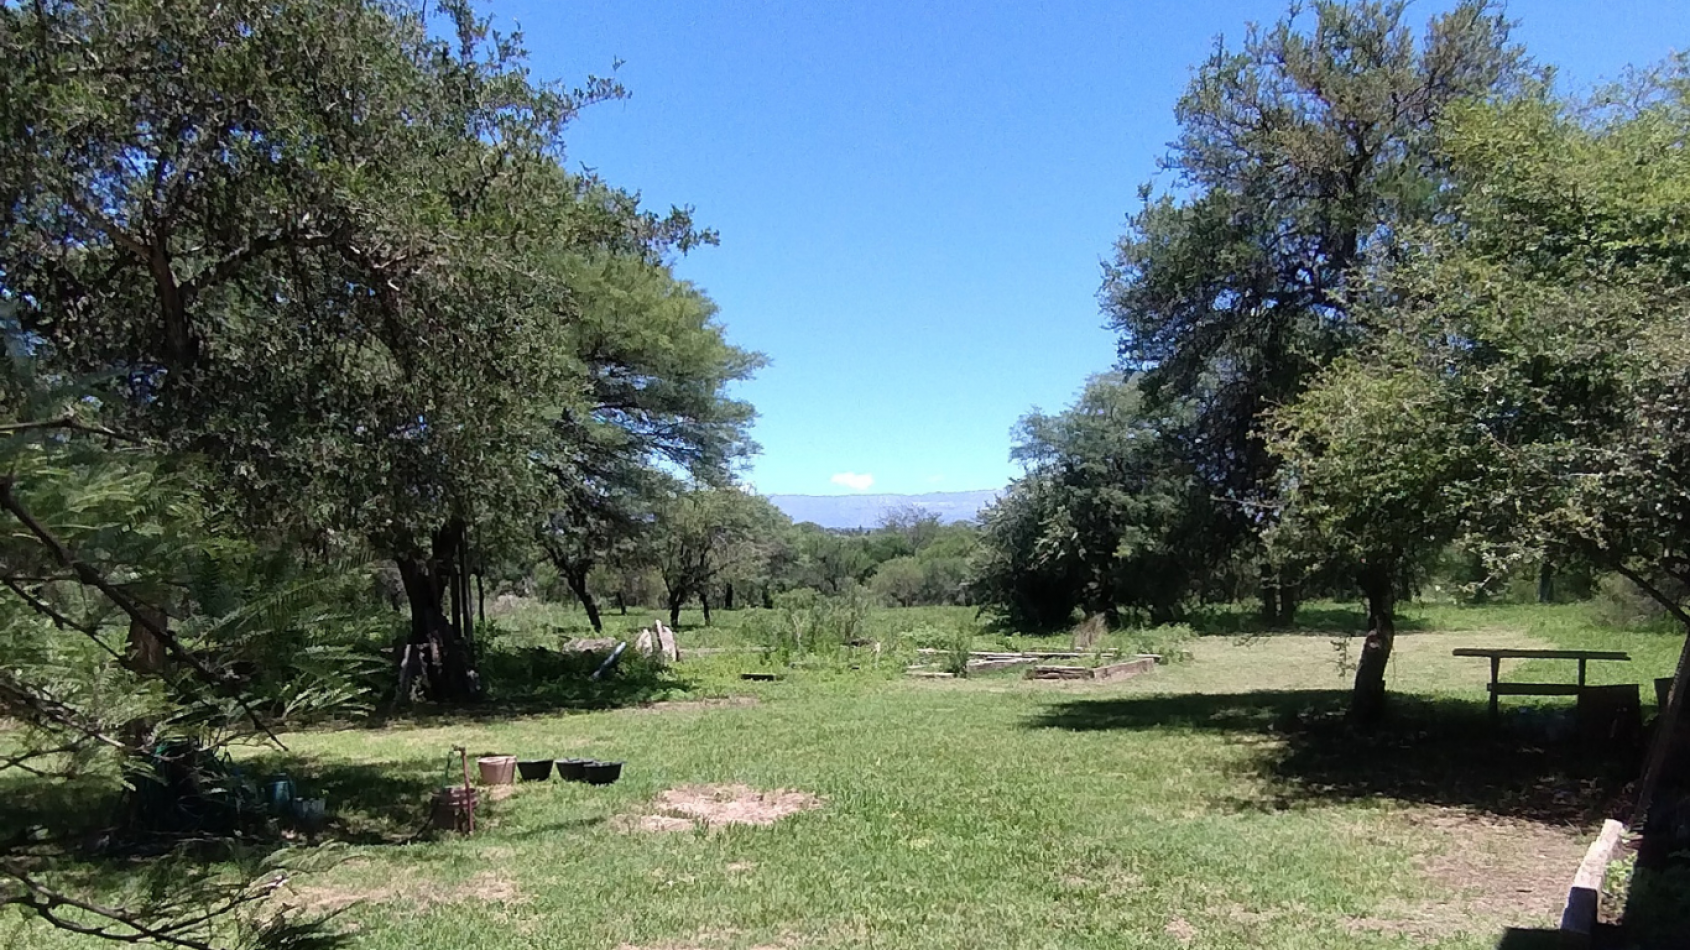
(1495, 672)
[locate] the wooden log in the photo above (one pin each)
(1121, 671)
(1099, 674)
(666, 644)
(986, 666)
(1585, 896)
(1037, 655)
(1059, 673)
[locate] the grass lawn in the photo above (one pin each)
(1216, 802)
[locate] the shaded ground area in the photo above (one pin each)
(1435, 751)
(1311, 618)
(535, 680)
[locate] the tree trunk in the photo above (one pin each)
(1268, 592)
(438, 647)
(1545, 583)
(704, 601)
(728, 597)
(621, 604)
(676, 599)
(146, 651)
(1367, 704)
(576, 578)
(480, 599)
(1288, 604)
(1666, 737)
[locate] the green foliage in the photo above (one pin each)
(1527, 389)
(1107, 518)
(135, 618)
(703, 534)
(958, 647)
(805, 623)
(1299, 154)
(658, 366)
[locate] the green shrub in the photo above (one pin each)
(957, 647)
(803, 623)
(1168, 641)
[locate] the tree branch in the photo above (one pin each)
(47, 902)
(1655, 594)
(66, 421)
(59, 619)
(54, 711)
(91, 577)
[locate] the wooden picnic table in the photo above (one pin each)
(1498, 688)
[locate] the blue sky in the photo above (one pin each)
(914, 198)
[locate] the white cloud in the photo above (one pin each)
(853, 481)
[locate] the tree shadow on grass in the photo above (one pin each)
(368, 804)
(1434, 751)
(537, 681)
(1332, 619)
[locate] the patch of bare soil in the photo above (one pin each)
(684, 705)
(708, 806)
(409, 889)
(1488, 873)
(1180, 929)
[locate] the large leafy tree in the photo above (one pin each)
(319, 244)
(704, 534)
(1298, 153)
(657, 366)
(1529, 393)
(1107, 517)
(143, 633)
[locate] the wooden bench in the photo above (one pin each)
(1498, 688)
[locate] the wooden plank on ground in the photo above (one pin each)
(1059, 673)
(1101, 674)
(1584, 897)
(1121, 671)
(1000, 663)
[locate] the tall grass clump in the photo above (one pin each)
(804, 623)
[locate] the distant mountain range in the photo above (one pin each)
(866, 511)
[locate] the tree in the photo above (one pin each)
(1369, 465)
(346, 231)
(1107, 517)
(902, 581)
(1297, 154)
(704, 532)
(1528, 392)
(143, 635)
(657, 365)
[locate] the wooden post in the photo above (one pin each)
(1579, 915)
(1666, 731)
(1581, 670)
(1495, 675)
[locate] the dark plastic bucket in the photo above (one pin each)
(603, 773)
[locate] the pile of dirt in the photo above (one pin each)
(709, 806)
